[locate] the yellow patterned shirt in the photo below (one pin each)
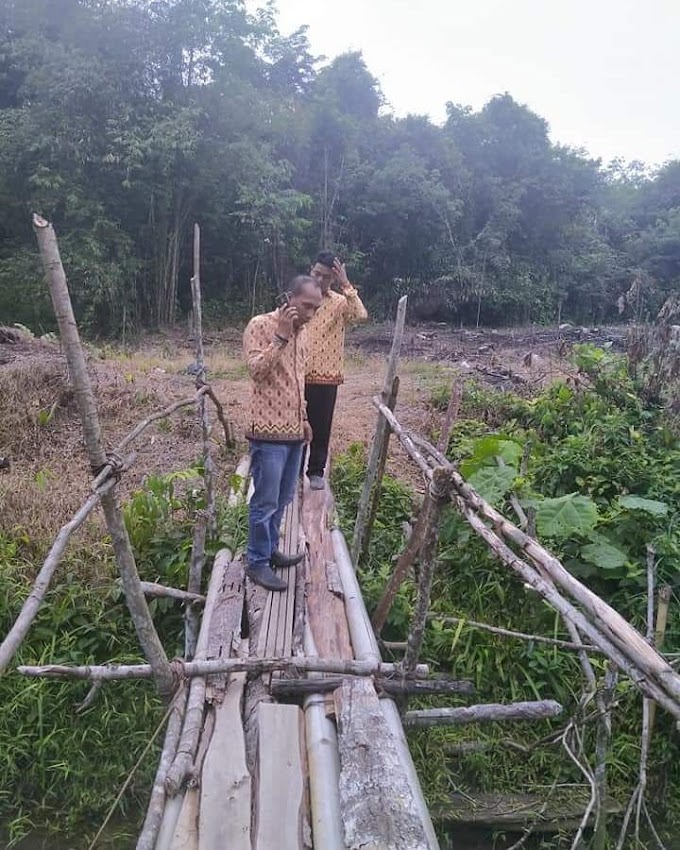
(326, 336)
(277, 399)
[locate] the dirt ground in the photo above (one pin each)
(40, 432)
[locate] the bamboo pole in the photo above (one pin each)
(489, 713)
(360, 539)
(189, 669)
(87, 408)
(438, 493)
(33, 601)
(321, 738)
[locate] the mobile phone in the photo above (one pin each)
(283, 300)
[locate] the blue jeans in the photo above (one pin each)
(275, 468)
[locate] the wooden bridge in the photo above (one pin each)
(284, 727)
(278, 766)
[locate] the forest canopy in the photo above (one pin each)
(124, 121)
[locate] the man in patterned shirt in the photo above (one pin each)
(326, 351)
(275, 353)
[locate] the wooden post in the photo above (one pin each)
(451, 415)
(360, 539)
(438, 493)
(382, 462)
(87, 408)
(403, 565)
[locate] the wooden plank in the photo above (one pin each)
(224, 819)
(186, 831)
(377, 804)
(326, 610)
(225, 624)
(280, 817)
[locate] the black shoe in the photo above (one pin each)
(266, 577)
(281, 560)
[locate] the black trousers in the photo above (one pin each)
(320, 406)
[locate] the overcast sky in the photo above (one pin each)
(604, 73)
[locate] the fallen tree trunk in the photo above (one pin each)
(491, 713)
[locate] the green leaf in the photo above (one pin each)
(566, 516)
(486, 449)
(648, 506)
(493, 482)
(603, 555)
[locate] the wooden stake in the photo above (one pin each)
(438, 493)
(403, 565)
(87, 408)
(360, 540)
(451, 415)
(380, 472)
(491, 713)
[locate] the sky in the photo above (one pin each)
(605, 74)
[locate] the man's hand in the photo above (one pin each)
(307, 432)
(285, 325)
(341, 275)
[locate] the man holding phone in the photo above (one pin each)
(326, 353)
(275, 354)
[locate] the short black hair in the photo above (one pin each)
(297, 283)
(325, 258)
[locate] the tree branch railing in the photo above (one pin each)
(597, 621)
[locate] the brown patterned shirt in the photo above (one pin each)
(277, 401)
(326, 336)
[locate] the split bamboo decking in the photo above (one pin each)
(328, 770)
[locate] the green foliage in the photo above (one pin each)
(564, 516)
(600, 471)
(126, 121)
(60, 771)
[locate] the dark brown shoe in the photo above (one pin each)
(281, 560)
(266, 577)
